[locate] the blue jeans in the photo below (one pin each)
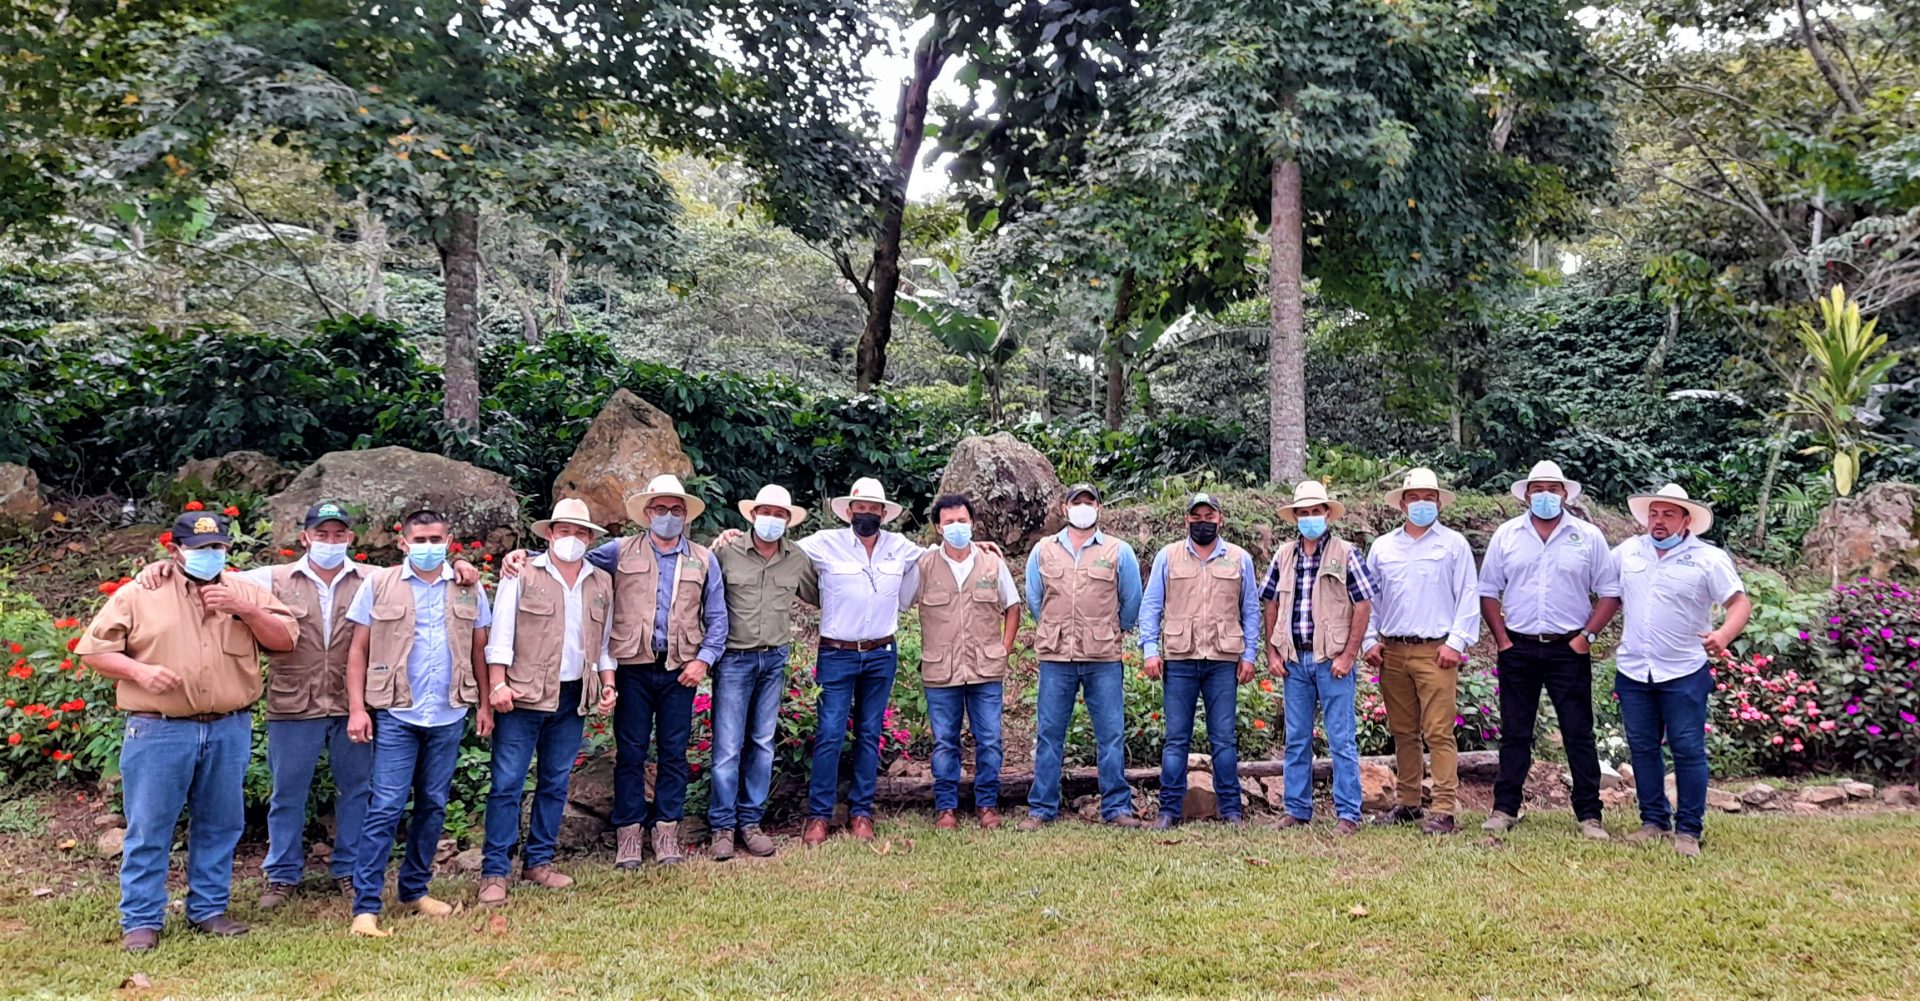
(168, 765)
(293, 751)
(517, 736)
(1677, 711)
(1187, 682)
(746, 712)
(653, 706)
(1104, 683)
(409, 762)
(979, 703)
(1311, 686)
(852, 685)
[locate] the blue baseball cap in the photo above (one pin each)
(199, 528)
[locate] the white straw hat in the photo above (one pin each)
(1672, 493)
(1311, 493)
(774, 496)
(571, 511)
(866, 488)
(664, 485)
(1546, 472)
(1419, 478)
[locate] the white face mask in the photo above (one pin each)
(1082, 515)
(568, 549)
(769, 527)
(327, 555)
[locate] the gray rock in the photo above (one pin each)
(1724, 801)
(23, 505)
(629, 443)
(1873, 530)
(1900, 796)
(467, 862)
(235, 472)
(580, 829)
(1857, 790)
(111, 841)
(1017, 497)
(1758, 794)
(382, 485)
(1822, 796)
(1201, 803)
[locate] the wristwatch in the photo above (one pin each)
(1591, 637)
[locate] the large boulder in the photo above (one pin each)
(1017, 497)
(385, 484)
(1875, 530)
(235, 472)
(631, 442)
(23, 506)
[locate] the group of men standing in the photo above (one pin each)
(379, 668)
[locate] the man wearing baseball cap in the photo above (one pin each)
(185, 657)
(1670, 579)
(1201, 610)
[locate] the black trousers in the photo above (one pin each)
(1525, 669)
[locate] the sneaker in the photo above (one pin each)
(1032, 823)
(721, 847)
(989, 819)
(1165, 822)
(1593, 830)
(666, 843)
(1686, 845)
(1288, 822)
(945, 821)
(1400, 815)
(277, 894)
(493, 891)
(633, 846)
(1127, 820)
(1438, 824)
(547, 877)
(755, 841)
(1346, 828)
(1647, 834)
(1500, 822)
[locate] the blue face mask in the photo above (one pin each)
(1545, 506)
(203, 564)
(1313, 526)
(959, 534)
(1669, 542)
(1423, 513)
(427, 557)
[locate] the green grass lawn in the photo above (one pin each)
(1777, 907)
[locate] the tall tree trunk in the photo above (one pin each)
(1116, 400)
(1286, 346)
(909, 130)
(1656, 365)
(1828, 71)
(373, 254)
(460, 270)
(557, 276)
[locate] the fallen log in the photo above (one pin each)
(1474, 765)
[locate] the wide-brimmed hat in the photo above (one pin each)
(866, 488)
(774, 496)
(1311, 493)
(1546, 471)
(1419, 478)
(664, 485)
(1672, 493)
(571, 511)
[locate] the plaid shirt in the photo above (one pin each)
(1360, 587)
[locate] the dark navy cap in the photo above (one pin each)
(328, 510)
(198, 528)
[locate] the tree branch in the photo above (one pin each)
(295, 258)
(1828, 71)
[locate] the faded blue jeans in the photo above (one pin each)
(409, 762)
(1675, 711)
(852, 685)
(1104, 683)
(169, 765)
(746, 713)
(1188, 682)
(519, 736)
(980, 704)
(1311, 686)
(293, 752)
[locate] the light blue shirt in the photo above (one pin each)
(1153, 604)
(713, 596)
(429, 661)
(1126, 576)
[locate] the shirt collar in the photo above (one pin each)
(1646, 542)
(304, 565)
(406, 570)
(679, 545)
(1219, 550)
(1066, 542)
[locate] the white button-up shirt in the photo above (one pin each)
(1543, 586)
(1666, 602)
(262, 577)
(860, 592)
(573, 653)
(1427, 587)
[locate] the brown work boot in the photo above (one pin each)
(140, 940)
(1647, 833)
(277, 894)
(547, 877)
(1687, 845)
(989, 819)
(1346, 828)
(220, 926)
(721, 847)
(815, 833)
(755, 841)
(1400, 815)
(1288, 822)
(1439, 823)
(493, 891)
(945, 821)
(1124, 820)
(1593, 829)
(666, 843)
(633, 846)
(1032, 823)
(1500, 822)
(861, 827)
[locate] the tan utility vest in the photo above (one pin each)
(390, 640)
(1332, 604)
(963, 638)
(1080, 610)
(310, 680)
(539, 637)
(636, 586)
(1201, 620)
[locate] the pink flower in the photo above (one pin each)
(702, 702)
(1873, 728)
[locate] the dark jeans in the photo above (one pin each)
(652, 706)
(980, 704)
(517, 737)
(855, 686)
(1187, 682)
(1103, 684)
(414, 762)
(293, 750)
(1525, 669)
(1677, 711)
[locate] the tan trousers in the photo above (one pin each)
(1421, 698)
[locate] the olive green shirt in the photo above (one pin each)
(760, 591)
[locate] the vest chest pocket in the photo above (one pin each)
(1224, 569)
(536, 604)
(937, 597)
(1100, 573)
(936, 665)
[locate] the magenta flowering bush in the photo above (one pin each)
(1866, 657)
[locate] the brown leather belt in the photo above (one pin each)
(861, 646)
(195, 718)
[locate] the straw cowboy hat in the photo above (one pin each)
(1311, 493)
(774, 496)
(1546, 472)
(1674, 494)
(664, 485)
(1419, 478)
(866, 488)
(571, 511)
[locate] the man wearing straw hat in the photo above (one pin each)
(765, 573)
(1546, 586)
(547, 667)
(1669, 582)
(1322, 583)
(1426, 615)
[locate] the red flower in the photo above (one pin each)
(108, 587)
(488, 558)
(66, 624)
(73, 644)
(362, 557)
(20, 671)
(475, 546)
(63, 755)
(66, 665)
(55, 725)
(34, 709)
(73, 707)
(230, 511)
(10, 703)
(13, 738)
(286, 552)
(194, 506)
(456, 547)
(164, 538)
(15, 648)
